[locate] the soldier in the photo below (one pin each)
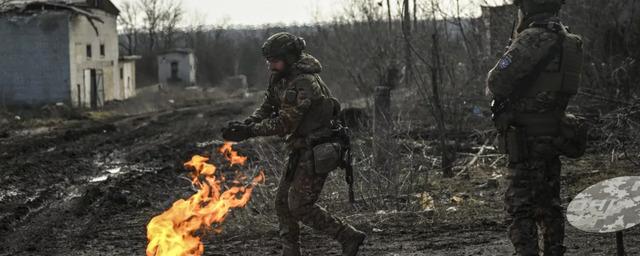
(300, 106)
(531, 85)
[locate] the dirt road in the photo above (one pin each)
(89, 188)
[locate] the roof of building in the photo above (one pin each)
(22, 6)
(177, 50)
(130, 58)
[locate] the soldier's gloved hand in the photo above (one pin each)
(237, 132)
(249, 121)
(234, 123)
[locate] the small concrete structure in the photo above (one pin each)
(177, 67)
(61, 52)
(127, 72)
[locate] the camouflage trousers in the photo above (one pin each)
(532, 200)
(296, 202)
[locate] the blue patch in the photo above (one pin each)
(504, 62)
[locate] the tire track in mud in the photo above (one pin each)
(72, 210)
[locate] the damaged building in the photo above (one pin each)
(63, 51)
(177, 67)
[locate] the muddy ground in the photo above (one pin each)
(88, 186)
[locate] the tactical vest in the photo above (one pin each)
(564, 71)
(321, 113)
(559, 73)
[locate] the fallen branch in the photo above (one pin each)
(481, 156)
(475, 158)
(494, 164)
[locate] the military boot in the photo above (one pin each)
(351, 239)
(290, 249)
(558, 250)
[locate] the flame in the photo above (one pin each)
(231, 155)
(173, 233)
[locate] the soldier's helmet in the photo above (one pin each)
(284, 46)
(530, 7)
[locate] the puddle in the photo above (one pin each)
(113, 164)
(116, 171)
(33, 131)
(100, 178)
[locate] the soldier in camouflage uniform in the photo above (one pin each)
(299, 106)
(532, 84)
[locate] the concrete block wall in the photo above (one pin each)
(34, 59)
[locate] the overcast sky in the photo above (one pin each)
(259, 12)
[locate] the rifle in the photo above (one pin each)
(348, 166)
(294, 159)
(344, 134)
(337, 134)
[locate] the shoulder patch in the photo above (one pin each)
(505, 61)
(306, 86)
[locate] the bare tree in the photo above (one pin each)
(3, 4)
(389, 20)
(436, 79)
(470, 48)
(130, 23)
(435, 66)
(194, 29)
(406, 27)
(161, 18)
(364, 22)
(171, 16)
(151, 11)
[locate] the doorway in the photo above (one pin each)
(174, 72)
(94, 81)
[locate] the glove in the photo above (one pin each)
(249, 121)
(234, 124)
(237, 132)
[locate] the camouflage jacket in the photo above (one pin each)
(292, 101)
(528, 49)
